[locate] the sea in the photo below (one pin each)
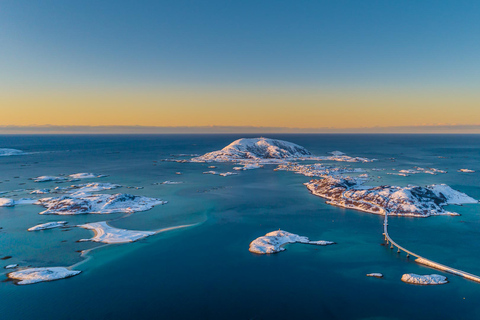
(205, 271)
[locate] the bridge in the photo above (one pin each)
(422, 260)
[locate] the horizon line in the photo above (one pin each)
(138, 129)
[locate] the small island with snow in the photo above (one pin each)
(274, 242)
(432, 279)
(35, 275)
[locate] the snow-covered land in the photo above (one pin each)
(252, 152)
(256, 149)
(452, 196)
(274, 241)
(48, 225)
(223, 174)
(466, 170)
(342, 158)
(424, 280)
(5, 152)
(86, 175)
(248, 166)
(49, 178)
(34, 275)
(317, 169)
(6, 202)
(171, 182)
(80, 203)
(40, 191)
(11, 266)
(107, 234)
(403, 201)
(375, 275)
(93, 187)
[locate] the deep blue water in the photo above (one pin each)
(206, 271)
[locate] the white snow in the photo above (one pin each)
(274, 241)
(80, 203)
(107, 234)
(248, 166)
(424, 279)
(317, 169)
(337, 153)
(5, 152)
(171, 182)
(6, 202)
(48, 225)
(40, 191)
(466, 170)
(93, 187)
(11, 266)
(86, 175)
(375, 274)
(224, 174)
(452, 196)
(48, 178)
(34, 275)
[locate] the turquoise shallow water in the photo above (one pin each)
(206, 271)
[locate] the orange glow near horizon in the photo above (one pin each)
(265, 108)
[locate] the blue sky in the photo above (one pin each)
(284, 45)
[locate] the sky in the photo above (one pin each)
(337, 64)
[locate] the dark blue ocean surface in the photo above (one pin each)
(206, 271)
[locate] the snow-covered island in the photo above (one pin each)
(34, 275)
(48, 225)
(403, 201)
(248, 166)
(274, 241)
(466, 170)
(256, 149)
(223, 174)
(171, 182)
(40, 191)
(375, 275)
(86, 175)
(49, 178)
(317, 169)
(108, 234)
(91, 187)
(424, 280)
(80, 203)
(7, 202)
